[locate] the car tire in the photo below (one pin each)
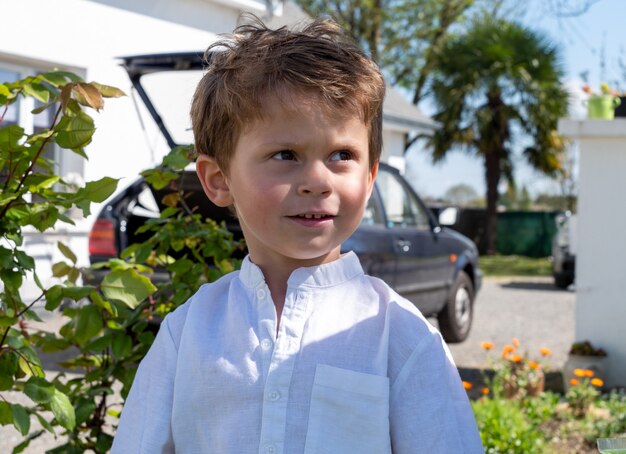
(455, 319)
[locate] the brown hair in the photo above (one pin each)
(255, 62)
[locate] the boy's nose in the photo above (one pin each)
(315, 180)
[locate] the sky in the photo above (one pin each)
(582, 40)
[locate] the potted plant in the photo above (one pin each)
(603, 104)
(584, 356)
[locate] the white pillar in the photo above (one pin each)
(601, 254)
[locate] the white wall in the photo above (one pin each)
(601, 223)
(89, 36)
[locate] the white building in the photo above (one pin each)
(87, 36)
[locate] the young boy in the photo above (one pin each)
(299, 351)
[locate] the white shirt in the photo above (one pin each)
(355, 368)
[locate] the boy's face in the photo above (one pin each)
(299, 180)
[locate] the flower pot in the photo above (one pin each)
(620, 111)
(602, 106)
(595, 363)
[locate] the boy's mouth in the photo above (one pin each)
(312, 216)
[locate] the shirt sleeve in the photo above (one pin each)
(145, 423)
(429, 408)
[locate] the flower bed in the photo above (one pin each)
(515, 415)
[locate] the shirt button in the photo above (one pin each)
(274, 395)
(271, 449)
(266, 344)
(261, 294)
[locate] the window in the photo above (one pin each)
(65, 163)
(401, 206)
(372, 214)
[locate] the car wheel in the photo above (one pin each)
(455, 319)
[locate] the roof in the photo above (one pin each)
(400, 112)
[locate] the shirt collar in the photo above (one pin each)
(346, 267)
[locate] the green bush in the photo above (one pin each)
(505, 428)
(109, 331)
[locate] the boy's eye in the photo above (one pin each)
(342, 155)
(284, 155)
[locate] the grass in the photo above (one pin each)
(514, 265)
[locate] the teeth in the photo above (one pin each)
(312, 216)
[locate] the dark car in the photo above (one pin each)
(398, 240)
(564, 250)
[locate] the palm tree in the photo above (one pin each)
(495, 87)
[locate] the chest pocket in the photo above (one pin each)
(349, 413)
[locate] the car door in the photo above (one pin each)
(422, 263)
(372, 244)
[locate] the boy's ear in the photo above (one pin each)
(214, 181)
(372, 177)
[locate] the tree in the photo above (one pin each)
(494, 84)
(403, 36)
(461, 194)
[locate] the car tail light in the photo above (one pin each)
(102, 238)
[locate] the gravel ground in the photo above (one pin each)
(531, 309)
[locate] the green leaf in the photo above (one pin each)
(24, 260)
(10, 137)
(6, 257)
(4, 90)
(178, 158)
(7, 321)
(45, 424)
(54, 297)
(98, 191)
(84, 409)
(24, 444)
(37, 91)
(127, 286)
(62, 409)
(6, 415)
(39, 390)
(66, 251)
(107, 91)
(60, 269)
(8, 368)
(40, 109)
(99, 343)
(122, 345)
(74, 131)
(88, 324)
(12, 279)
(103, 304)
(77, 293)
(21, 418)
(159, 178)
(61, 77)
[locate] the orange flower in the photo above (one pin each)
(545, 351)
(580, 373)
(506, 350)
(516, 358)
(588, 373)
(534, 364)
(515, 342)
(485, 391)
(487, 345)
(467, 385)
(597, 382)
(573, 381)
